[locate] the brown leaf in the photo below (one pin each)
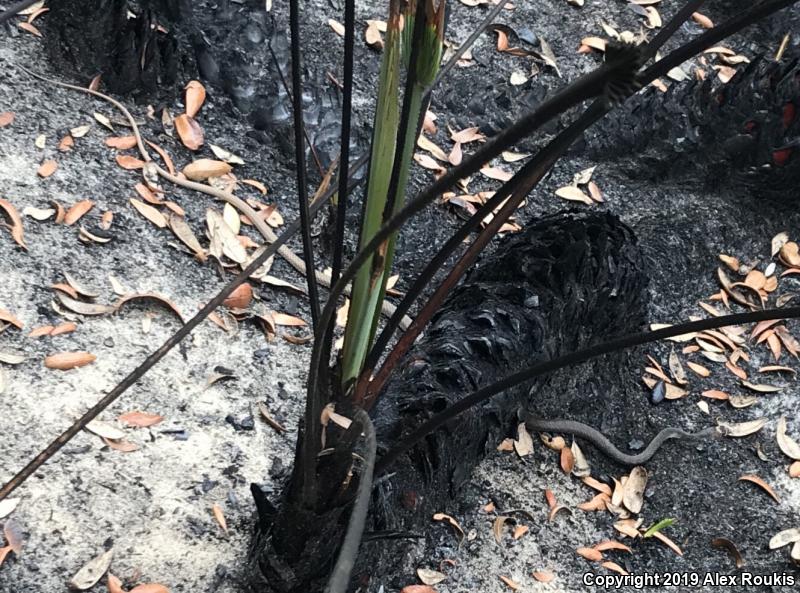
(120, 445)
(13, 536)
(590, 554)
(288, 320)
(202, 169)
(726, 544)
(92, 571)
(761, 484)
(69, 360)
(38, 332)
(30, 29)
(256, 184)
(519, 531)
(220, 517)
(611, 544)
(787, 444)
(702, 20)
(550, 498)
(147, 194)
(668, 542)
(77, 211)
(149, 296)
(698, 369)
(149, 588)
(150, 213)
(164, 156)
(189, 131)
(47, 168)
(66, 143)
(513, 585)
(184, 232)
(597, 503)
(452, 521)
(4, 551)
(715, 394)
(567, 460)
(121, 142)
(456, 155)
(570, 192)
(496, 173)
(6, 118)
(418, 589)
(8, 317)
(497, 527)
(269, 419)
(241, 297)
(129, 162)
(609, 565)
(17, 230)
(544, 576)
(794, 470)
(140, 419)
(195, 97)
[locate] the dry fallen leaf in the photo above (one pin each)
(202, 169)
(741, 429)
(121, 142)
(512, 584)
(702, 20)
(68, 360)
(7, 506)
(633, 489)
(727, 545)
(148, 296)
(608, 564)
(668, 542)
(760, 483)
(140, 419)
(150, 213)
(17, 230)
(417, 589)
(590, 554)
(149, 588)
(77, 211)
(787, 444)
(92, 571)
(220, 517)
(570, 192)
(47, 168)
(784, 538)
(131, 163)
(189, 131)
(195, 97)
(8, 317)
(6, 118)
(452, 521)
(241, 297)
(337, 27)
(544, 576)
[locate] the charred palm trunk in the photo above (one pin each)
(137, 54)
(565, 282)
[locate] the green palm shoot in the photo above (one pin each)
(369, 285)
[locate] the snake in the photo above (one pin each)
(604, 445)
(387, 308)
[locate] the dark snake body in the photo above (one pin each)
(599, 440)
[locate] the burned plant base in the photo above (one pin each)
(567, 281)
(140, 54)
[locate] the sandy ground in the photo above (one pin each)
(154, 505)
